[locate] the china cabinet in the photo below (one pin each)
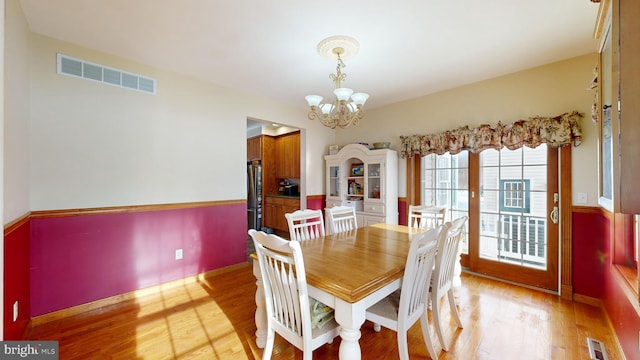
(365, 179)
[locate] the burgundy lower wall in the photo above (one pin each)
(592, 275)
(79, 259)
(16, 281)
(623, 316)
(316, 202)
(589, 253)
(402, 211)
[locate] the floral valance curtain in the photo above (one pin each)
(556, 131)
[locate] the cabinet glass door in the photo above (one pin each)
(334, 181)
(373, 181)
(609, 102)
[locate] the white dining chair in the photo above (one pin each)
(305, 224)
(286, 295)
(342, 218)
(400, 310)
(425, 217)
(442, 277)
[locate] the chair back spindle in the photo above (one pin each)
(342, 219)
(426, 217)
(305, 224)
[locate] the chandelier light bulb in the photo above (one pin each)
(359, 98)
(343, 94)
(313, 100)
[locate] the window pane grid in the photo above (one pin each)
(510, 230)
(445, 182)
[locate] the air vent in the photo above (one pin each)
(95, 72)
(596, 350)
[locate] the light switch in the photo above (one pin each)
(582, 198)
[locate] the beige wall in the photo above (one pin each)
(547, 90)
(2, 122)
(95, 145)
(16, 114)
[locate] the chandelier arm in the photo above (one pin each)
(325, 119)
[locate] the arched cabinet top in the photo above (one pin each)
(359, 151)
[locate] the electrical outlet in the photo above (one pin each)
(597, 350)
(15, 311)
(178, 254)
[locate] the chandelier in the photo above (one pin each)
(346, 107)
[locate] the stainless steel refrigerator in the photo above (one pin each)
(254, 197)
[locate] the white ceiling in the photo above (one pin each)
(268, 48)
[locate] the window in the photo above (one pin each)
(514, 195)
(445, 182)
(606, 123)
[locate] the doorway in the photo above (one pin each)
(511, 198)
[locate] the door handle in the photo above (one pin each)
(554, 215)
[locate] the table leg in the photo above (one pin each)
(350, 317)
(261, 313)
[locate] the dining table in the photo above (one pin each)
(349, 272)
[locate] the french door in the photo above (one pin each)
(511, 198)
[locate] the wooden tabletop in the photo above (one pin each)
(352, 265)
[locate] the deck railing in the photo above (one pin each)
(522, 239)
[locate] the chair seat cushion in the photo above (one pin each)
(387, 307)
(321, 314)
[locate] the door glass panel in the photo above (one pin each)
(373, 181)
(513, 203)
(488, 226)
(538, 204)
(489, 201)
(535, 156)
(488, 247)
(446, 183)
(334, 181)
(513, 157)
(606, 131)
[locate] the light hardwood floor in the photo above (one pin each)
(214, 319)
